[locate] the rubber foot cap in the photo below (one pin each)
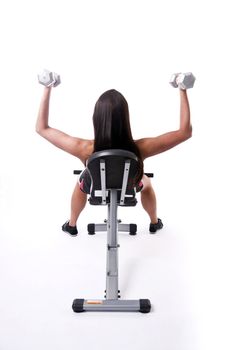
(145, 306)
(78, 305)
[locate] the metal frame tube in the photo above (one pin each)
(112, 249)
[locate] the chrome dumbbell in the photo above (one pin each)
(182, 80)
(48, 78)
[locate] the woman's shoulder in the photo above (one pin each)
(86, 149)
(150, 146)
(141, 144)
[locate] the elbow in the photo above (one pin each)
(40, 129)
(190, 132)
(187, 134)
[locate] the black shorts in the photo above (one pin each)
(85, 182)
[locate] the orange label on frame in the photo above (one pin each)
(97, 302)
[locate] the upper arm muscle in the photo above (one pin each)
(73, 145)
(155, 145)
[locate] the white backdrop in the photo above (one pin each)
(133, 46)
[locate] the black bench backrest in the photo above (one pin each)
(113, 169)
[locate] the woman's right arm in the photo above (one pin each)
(77, 147)
(155, 145)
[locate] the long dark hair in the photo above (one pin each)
(112, 126)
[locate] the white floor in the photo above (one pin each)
(43, 270)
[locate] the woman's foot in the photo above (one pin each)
(154, 227)
(72, 230)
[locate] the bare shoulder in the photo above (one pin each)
(82, 148)
(151, 146)
(86, 148)
(78, 147)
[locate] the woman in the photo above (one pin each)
(112, 130)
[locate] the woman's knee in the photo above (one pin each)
(147, 185)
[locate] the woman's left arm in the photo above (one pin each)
(155, 145)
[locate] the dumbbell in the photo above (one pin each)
(182, 80)
(48, 78)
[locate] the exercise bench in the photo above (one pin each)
(112, 175)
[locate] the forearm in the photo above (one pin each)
(43, 114)
(185, 123)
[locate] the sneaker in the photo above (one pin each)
(72, 230)
(154, 227)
